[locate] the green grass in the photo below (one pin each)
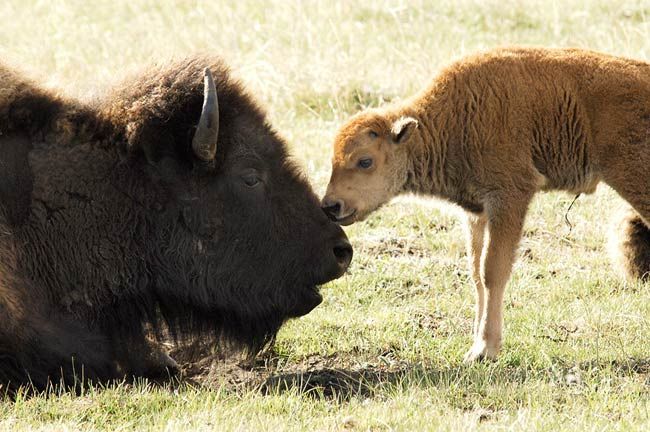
(384, 349)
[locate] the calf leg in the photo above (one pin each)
(631, 180)
(638, 196)
(504, 226)
(475, 225)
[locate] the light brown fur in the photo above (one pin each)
(488, 133)
(630, 246)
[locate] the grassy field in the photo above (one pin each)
(384, 350)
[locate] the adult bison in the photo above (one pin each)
(170, 204)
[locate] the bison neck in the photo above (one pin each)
(84, 239)
(104, 247)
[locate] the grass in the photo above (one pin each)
(384, 350)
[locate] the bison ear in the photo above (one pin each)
(204, 142)
(402, 129)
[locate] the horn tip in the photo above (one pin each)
(207, 74)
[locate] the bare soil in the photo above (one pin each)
(334, 376)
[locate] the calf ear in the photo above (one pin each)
(402, 129)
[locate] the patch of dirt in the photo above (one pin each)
(203, 366)
(328, 382)
(331, 376)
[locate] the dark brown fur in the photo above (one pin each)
(111, 227)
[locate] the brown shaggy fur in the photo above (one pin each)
(114, 229)
(488, 133)
(129, 116)
(630, 246)
(26, 107)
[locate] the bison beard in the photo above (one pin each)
(117, 223)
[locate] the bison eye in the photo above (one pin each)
(251, 180)
(373, 134)
(364, 163)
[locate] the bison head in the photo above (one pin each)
(239, 242)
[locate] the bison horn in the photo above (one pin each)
(204, 142)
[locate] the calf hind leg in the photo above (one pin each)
(631, 246)
(633, 231)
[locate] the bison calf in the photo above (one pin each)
(169, 204)
(487, 134)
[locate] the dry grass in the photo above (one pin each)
(383, 351)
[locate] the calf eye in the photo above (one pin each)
(364, 163)
(373, 134)
(251, 180)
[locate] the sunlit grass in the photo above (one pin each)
(577, 351)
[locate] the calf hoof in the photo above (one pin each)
(481, 350)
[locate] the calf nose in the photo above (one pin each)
(332, 208)
(343, 253)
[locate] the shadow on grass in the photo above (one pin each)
(342, 383)
(346, 383)
(632, 366)
(332, 382)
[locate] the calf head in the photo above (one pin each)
(368, 167)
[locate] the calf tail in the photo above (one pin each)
(630, 246)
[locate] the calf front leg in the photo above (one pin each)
(504, 226)
(475, 225)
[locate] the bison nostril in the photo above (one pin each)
(343, 253)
